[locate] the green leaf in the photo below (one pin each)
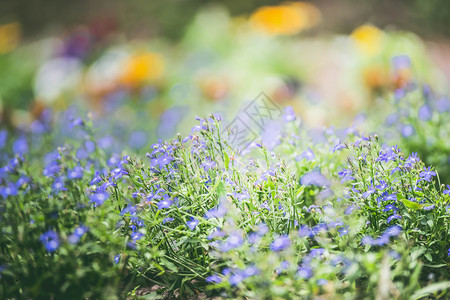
(226, 159)
(417, 251)
(169, 265)
(430, 289)
(221, 190)
(412, 205)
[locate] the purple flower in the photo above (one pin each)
(442, 105)
(214, 279)
(369, 192)
(233, 241)
(400, 62)
(208, 164)
(338, 146)
(3, 138)
(345, 174)
(217, 212)
(393, 230)
(167, 220)
(308, 155)
(9, 190)
(250, 271)
(99, 198)
(304, 272)
(96, 178)
(50, 240)
(317, 252)
(192, 223)
(407, 130)
(427, 174)
(305, 231)
(343, 230)
(430, 207)
(20, 146)
(164, 204)
(75, 173)
(447, 191)
(322, 281)
(284, 265)
(280, 243)
(235, 279)
(425, 113)
(390, 207)
(394, 216)
(136, 236)
(117, 259)
(314, 178)
(289, 114)
(367, 240)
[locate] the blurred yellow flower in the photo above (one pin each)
(9, 37)
(287, 18)
(368, 38)
(142, 68)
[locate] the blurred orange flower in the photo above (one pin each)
(287, 18)
(142, 69)
(9, 37)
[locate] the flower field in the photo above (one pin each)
(123, 174)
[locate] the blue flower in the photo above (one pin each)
(233, 241)
(394, 216)
(305, 231)
(339, 146)
(427, 174)
(20, 146)
(250, 271)
(430, 207)
(167, 220)
(289, 114)
(343, 230)
(345, 174)
(99, 198)
(425, 113)
(367, 240)
(314, 178)
(280, 243)
(136, 236)
(390, 207)
(322, 281)
(217, 212)
(164, 204)
(9, 190)
(58, 185)
(117, 259)
(393, 230)
(50, 240)
(235, 279)
(213, 279)
(96, 178)
(305, 272)
(317, 252)
(3, 138)
(192, 223)
(447, 191)
(407, 130)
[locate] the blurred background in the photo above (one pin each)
(142, 70)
